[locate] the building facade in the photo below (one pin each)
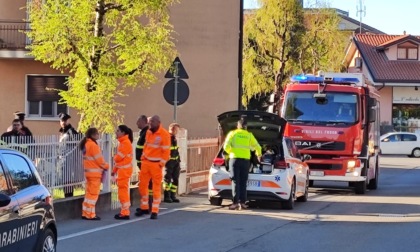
(391, 63)
(207, 40)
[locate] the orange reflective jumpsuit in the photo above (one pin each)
(124, 168)
(155, 155)
(94, 165)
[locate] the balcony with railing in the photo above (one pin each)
(13, 40)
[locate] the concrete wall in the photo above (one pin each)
(207, 39)
(12, 10)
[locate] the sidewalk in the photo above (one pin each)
(68, 227)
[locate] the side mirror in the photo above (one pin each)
(4, 200)
(372, 102)
(306, 157)
(372, 115)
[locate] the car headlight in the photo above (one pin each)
(351, 164)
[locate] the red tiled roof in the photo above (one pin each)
(382, 69)
(398, 39)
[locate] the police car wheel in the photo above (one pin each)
(48, 242)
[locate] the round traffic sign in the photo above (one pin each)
(169, 92)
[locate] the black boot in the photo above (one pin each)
(167, 197)
(173, 198)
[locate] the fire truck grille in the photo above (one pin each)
(320, 145)
(325, 166)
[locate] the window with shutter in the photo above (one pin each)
(43, 95)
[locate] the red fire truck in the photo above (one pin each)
(334, 118)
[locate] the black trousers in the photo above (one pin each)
(239, 170)
(173, 169)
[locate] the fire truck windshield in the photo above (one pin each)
(335, 108)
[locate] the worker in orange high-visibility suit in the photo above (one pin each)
(123, 168)
(155, 155)
(94, 166)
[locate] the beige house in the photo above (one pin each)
(207, 41)
(392, 63)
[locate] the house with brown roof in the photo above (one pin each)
(207, 41)
(391, 63)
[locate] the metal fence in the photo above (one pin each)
(12, 35)
(201, 153)
(60, 163)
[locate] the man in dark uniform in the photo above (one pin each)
(143, 125)
(18, 137)
(67, 154)
(173, 167)
(21, 116)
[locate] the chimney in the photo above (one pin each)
(404, 32)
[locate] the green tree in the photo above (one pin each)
(108, 47)
(272, 37)
(323, 46)
(306, 43)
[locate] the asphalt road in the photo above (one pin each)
(334, 219)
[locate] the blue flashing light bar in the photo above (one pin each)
(323, 79)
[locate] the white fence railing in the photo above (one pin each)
(60, 164)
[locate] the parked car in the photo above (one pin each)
(401, 143)
(27, 221)
(282, 174)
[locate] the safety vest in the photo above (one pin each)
(174, 148)
(239, 143)
(124, 157)
(156, 147)
(93, 161)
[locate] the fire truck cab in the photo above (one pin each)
(334, 118)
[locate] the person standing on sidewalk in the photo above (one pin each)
(173, 168)
(94, 166)
(123, 169)
(238, 144)
(143, 125)
(67, 155)
(155, 155)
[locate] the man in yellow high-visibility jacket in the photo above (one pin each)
(238, 144)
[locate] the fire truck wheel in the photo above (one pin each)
(360, 187)
(373, 183)
(416, 153)
(290, 203)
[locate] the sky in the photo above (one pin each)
(389, 16)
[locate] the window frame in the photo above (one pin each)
(407, 48)
(39, 116)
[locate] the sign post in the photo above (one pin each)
(177, 72)
(176, 91)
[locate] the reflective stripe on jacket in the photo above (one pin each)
(239, 143)
(174, 148)
(124, 157)
(93, 161)
(156, 147)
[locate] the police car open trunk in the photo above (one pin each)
(267, 128)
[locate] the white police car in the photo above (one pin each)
(282, 174)
(27, 221)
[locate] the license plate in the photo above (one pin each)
(254, 183)
(317, 173)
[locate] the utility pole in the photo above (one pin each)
(361, 10)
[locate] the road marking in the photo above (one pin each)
(65, 237)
